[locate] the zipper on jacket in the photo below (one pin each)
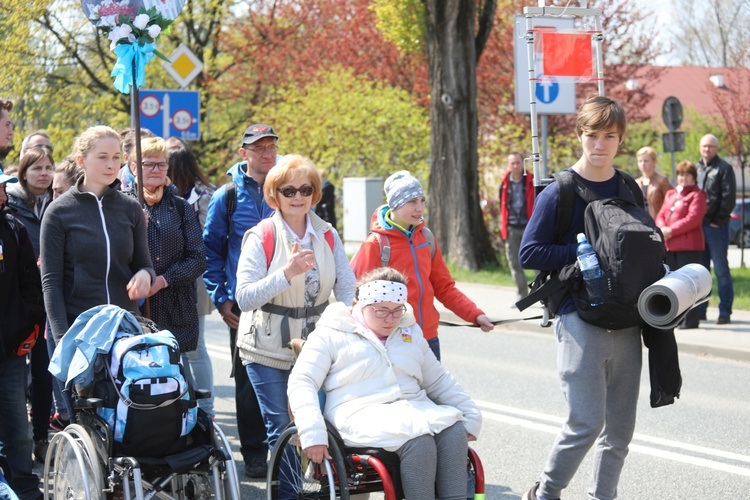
(106, 239)
(413, 248)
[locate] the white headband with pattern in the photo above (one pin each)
(376, 291)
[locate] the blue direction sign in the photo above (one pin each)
(169, 113)
(547, 90)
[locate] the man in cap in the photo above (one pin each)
(222, 236)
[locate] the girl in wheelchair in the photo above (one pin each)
(384, 388)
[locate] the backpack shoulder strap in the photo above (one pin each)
(230, 199)
(635, 190)
(328, 235)
(566, 188)
(14, 226)
(430, 240)
(268, 239)
(385, 248)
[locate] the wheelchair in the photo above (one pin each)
(351, 471)
(81, 463)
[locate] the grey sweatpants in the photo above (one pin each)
(600, 371)
(438, 461)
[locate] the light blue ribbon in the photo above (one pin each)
(123, 70)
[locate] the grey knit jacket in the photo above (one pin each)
(90, 250)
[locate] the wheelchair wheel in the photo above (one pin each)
(231, 482)
(71, 468)
(292, 475)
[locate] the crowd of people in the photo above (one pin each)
(176, 247)
(263, 250)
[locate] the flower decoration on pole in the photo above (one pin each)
(133, 27)
(134, 44)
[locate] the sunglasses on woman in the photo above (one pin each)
(291, 191)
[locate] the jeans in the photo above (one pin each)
(676, 260)
(199, 365)
(434, 344)
(270, 388)
(41, 389)
(15, 442)
(512, 247)
(250, 426)
(717, 246)
(61, 405)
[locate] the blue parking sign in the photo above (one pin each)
(169, 113)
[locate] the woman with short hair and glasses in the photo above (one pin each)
(283, 288)
(176, 248)
(384, 388)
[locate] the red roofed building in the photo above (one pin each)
(692, 85)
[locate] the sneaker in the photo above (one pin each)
(723, 320)
(531, 494)
(57, 423)
(256, 467)
(40, 450)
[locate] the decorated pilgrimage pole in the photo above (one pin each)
(133, 26)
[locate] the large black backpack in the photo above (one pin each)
(627, 242)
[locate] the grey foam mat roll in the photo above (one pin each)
(665, 303)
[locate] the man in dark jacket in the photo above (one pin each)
(20, 309)
(223, 239)
(716, 179)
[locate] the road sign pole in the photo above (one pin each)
(545, 137)
(539, 172)
(166, 115)
(674, 169)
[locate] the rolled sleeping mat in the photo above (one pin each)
(665, 303)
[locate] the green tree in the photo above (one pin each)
(56, 65)
(351, 126)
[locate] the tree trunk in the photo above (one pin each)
(454, 212)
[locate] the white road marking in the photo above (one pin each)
(641, 443)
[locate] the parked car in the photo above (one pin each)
(735, 222)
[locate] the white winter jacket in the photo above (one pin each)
(376, 395)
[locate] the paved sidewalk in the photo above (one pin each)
(726, 341)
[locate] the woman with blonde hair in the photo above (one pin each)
(652, 183)
(283, 290)
(93, 239)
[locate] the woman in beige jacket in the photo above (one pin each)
(652, 183)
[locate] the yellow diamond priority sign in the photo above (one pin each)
(184, 65)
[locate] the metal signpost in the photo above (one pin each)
(532, 14)
(671, 113)
(553, 97)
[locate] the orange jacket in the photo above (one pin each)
(427, 278)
